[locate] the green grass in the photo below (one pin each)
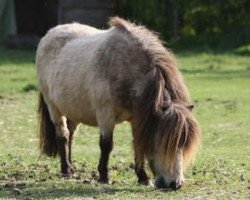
(220, 89)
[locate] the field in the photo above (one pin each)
(220, 88)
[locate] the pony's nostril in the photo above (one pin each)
(175, 186)
(160, 183)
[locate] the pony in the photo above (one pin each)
(104, 77)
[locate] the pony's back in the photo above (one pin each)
(51, 44)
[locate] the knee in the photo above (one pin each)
(106, 143)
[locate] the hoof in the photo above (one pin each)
(66, 175)
(67, 172)
(143, 182)
(103, 181)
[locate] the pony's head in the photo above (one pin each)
(167, 134)
(174, 145)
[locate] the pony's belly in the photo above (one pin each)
(89, 122)
(84, 116)
(122, 115)
(77, 110)
(87, 116)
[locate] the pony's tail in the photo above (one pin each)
(180, 130)
(47, 133)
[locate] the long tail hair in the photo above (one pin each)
(47, 132)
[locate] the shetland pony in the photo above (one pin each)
(104, 77)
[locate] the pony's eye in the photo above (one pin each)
(164, 108)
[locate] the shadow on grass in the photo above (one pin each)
(78, 190)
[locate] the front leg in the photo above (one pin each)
(106, 123)
(139, 162)
(139, 169)
(106, 146)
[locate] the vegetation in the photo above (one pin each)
(219, 84)
(220, 24)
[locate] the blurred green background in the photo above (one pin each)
(223, 24)
(212, 23)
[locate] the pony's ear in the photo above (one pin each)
(190, 107)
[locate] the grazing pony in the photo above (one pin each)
(104, 77)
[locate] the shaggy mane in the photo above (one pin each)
(161, 113)
(161, 58)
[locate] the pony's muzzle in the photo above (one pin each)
(162, 183)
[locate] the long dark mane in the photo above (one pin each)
(161, 114)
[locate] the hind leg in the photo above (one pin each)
(71, 127)
(62, 138)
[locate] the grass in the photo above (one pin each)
(219, 86)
